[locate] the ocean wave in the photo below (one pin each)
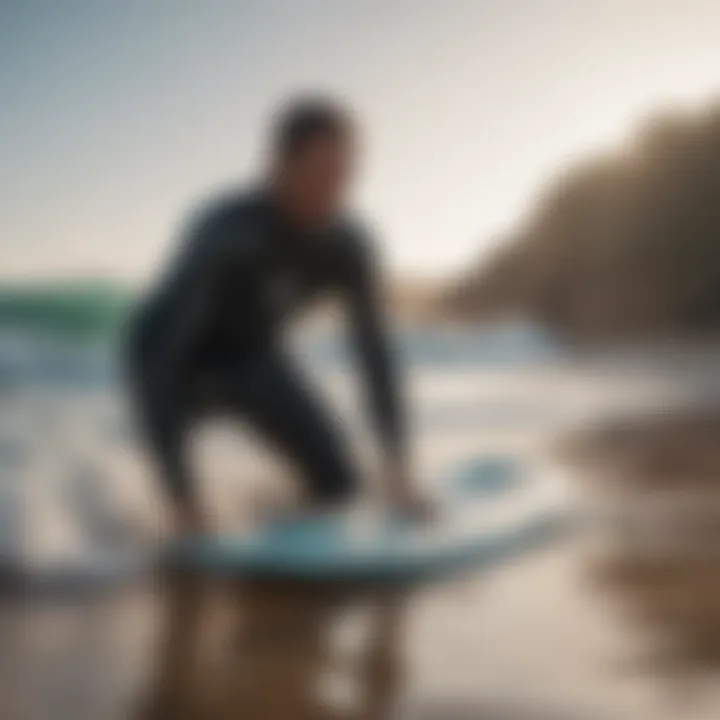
(72, 308)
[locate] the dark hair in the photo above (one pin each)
(305, 119)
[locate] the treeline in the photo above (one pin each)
(624, 246)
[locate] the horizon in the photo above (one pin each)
(119, 117)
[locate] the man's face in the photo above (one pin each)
(318, 177)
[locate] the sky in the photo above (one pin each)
(116, 117)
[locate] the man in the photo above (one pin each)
(209, 336)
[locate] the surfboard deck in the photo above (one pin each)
(490, 510)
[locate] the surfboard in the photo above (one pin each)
(491, 509)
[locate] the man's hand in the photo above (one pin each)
(404, 497)
(190, 520)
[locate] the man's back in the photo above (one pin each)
(241, 274)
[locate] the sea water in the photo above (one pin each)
(74, 477)
(72, 467)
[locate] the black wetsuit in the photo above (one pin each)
(210, 337)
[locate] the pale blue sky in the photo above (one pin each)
(115, 115)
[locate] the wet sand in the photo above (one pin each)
(608, 625)
(565, 634)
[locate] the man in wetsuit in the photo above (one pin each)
(210, 335)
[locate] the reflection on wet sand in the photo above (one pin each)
(232, 650)
(675, 603)
(663, 568)
(306, 653)
(537, 639)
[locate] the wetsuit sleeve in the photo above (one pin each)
(179, 310)
(188, 296)
(368, 326)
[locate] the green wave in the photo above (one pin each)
(77, 307)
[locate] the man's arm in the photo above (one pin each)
(181, 307)
(186, 298)
(368, 324)
(385, 395)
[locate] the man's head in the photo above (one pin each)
(313, 151)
